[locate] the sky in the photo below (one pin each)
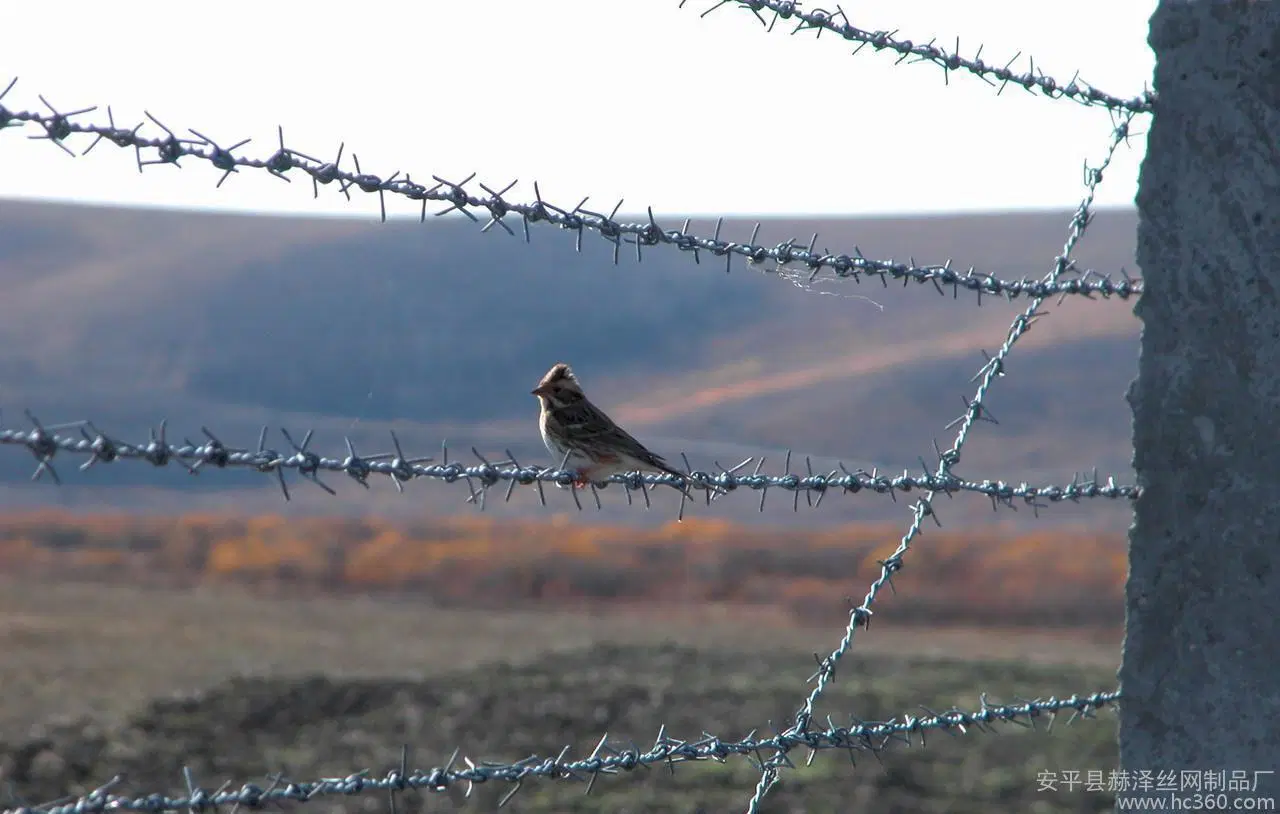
(638, 100)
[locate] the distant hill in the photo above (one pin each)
(127, 316)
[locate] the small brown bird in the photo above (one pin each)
(597, 446)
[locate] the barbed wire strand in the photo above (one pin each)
(837, 22)
(57, 127)
(605, 759)
(860, 616)
(44, 442)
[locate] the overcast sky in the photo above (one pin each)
(634, 99)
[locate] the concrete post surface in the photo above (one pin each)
(1201, 668)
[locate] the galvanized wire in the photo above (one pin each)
(57, 127)
(993, 369)
(607, 758)
(769, 754)
(997, 76)
(46, 442)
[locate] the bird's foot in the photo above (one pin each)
(580, 481)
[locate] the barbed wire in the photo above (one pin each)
(607, 758)
(993, 369)
(771, 754)
(837, 22)
(45, 442)
(58, 126)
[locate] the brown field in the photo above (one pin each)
(1061, 578)
(101, 679)
(103, 650)
(237, 646)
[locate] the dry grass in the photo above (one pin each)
(103, 650)
(344, 682)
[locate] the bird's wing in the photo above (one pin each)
(589, 423)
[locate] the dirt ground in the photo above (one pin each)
(103, 679)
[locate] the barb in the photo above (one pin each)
(605, 759)
(819, 20)
(994, 368)
(58, 127)
(793, 259)
(46, 441)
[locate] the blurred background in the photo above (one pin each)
(152, 620)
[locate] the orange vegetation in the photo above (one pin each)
(987, 576)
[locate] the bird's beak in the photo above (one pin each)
(537, 391)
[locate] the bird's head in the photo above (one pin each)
(559, 387)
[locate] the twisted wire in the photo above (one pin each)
(45, 442)
(1063, 280)
(57, 127)
(606, 758)
(922, 508)
(837, 22)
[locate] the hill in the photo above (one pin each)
(127, 316)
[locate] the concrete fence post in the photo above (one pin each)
(1201, 667)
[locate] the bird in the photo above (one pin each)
(597, 447)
